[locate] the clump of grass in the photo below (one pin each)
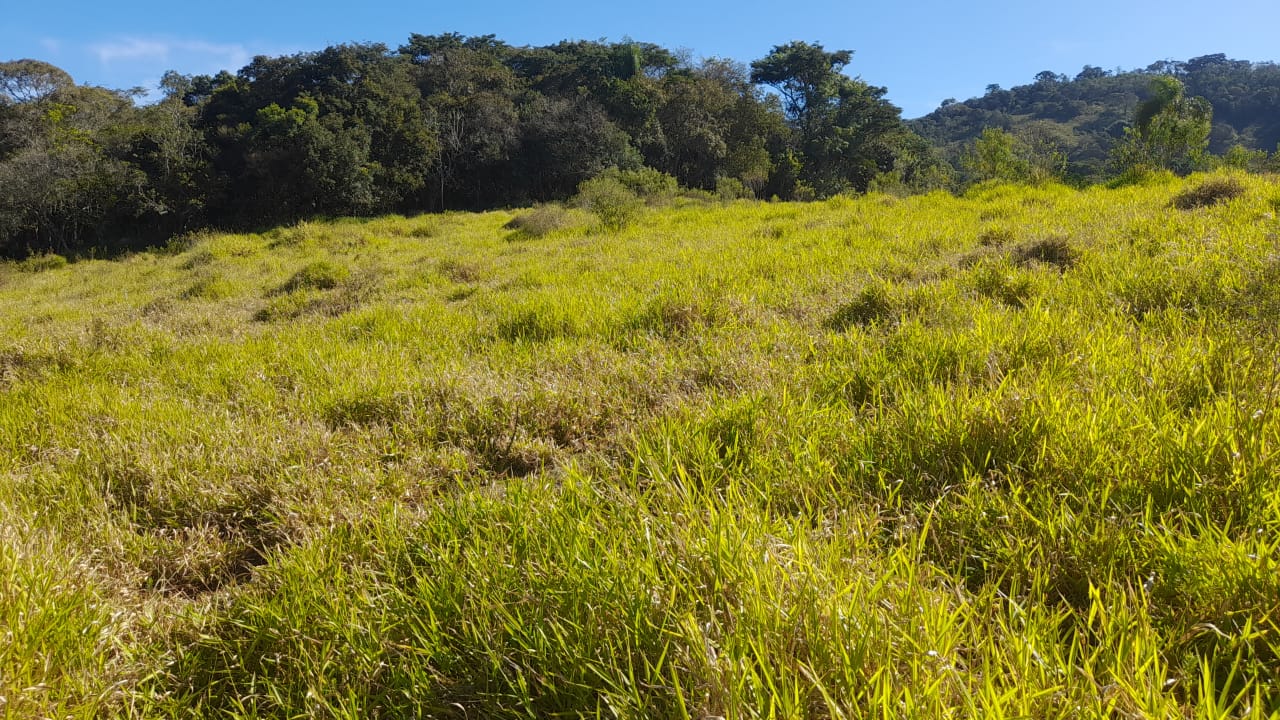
(317, 275)
(535, 323)
(1054, 250)
(539, 222)
(42, 263)
(996, 236)
(1000, 281)
(293, 236)
(459, 271)
(1214, 191)
(287, 306)
(212, 286)
(873, 303)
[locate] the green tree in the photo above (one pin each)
(997, 155)
(1170, 131)
(845, 130)
(1032, 155)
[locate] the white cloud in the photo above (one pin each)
(53, 46)
(190, 56)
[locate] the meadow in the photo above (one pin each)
(1010, 454)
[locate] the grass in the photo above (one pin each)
(1005, 455)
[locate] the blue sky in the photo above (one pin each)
(922, 51)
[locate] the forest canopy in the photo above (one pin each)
(441, 122)
(448, 122)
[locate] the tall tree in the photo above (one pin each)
(846, 131)
(1169, 131)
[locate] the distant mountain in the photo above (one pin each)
(1085, 115)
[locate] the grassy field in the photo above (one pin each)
(1005, 455)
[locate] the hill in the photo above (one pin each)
(1085, 115)
(1008, 454)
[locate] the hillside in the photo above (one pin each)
(1086, 114)
(1007, 454)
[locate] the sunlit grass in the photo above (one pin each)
(1006, 455)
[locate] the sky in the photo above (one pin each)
(923, 51)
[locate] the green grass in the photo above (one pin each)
(1005, 455)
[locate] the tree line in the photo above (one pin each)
(453, 122)
(441, 122)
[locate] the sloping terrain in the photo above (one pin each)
(1011, 454)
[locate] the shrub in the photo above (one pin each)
(804, 192)
(646, 182)
(1209, 192)
(729, 189)
(610, 200)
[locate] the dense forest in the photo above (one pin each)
(451, 122)
(1084, 117)
(442, 122)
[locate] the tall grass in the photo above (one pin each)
(1005, 455)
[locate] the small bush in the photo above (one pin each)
(539, 221)
(729, 189)
(804, 192)
(646, 182)
(610, 200)
(1209, 192)
(41, 263)
(319, 275)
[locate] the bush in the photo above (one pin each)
(1209, 192)
(319, 275)
(610, 200)
(804, 192)
(646, 182)
(729, 189)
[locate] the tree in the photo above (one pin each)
(845, 129)
(996, 155)
(1170, 130)
(27, 81)
(807, 76)
(1091, 72)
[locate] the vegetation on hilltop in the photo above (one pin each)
(1010, 454)
(1086, 116)
(443, 122)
